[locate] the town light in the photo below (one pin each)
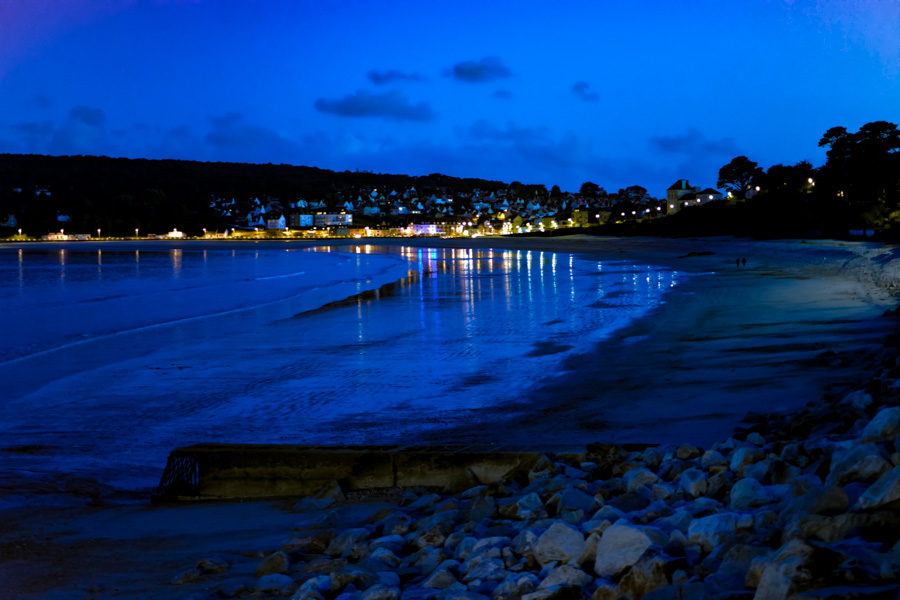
(135, 232)
(98, 233)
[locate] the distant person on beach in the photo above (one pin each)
(744, 262)
(737, 263)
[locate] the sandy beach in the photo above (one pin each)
(793, 323)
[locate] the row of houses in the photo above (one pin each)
(496, 210)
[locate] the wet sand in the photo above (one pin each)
(727, 341)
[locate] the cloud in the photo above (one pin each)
(487, 69)
(385, 77)
(233, 138)
(87, 115)
(481, 130)
(582, 90)
(390, 105)
(34, 128)
(694, 142)
(41, 101)
(503, 94)
(83, 132)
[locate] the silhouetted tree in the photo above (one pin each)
(634, 194)
(739, 174)
(862, 174)
(589, 188)
(555, 192)
(790, 178)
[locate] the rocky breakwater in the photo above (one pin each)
(799, 505)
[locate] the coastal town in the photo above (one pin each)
(407, 212)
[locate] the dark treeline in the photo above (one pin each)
(858, 188)
(119, 195)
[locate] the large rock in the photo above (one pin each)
(480, 508)
(527, 507)
(819, 500)
(748, 492)
(560, 542)
(276, 583)
(514, 588)
(870, 525)
(346, 540)
(774, 585)
(857, 463)
(443, 576)
(883, 493)
(713, 530)
(791, 560)
(588, 552)
(713, 458)
(566, 576)
(694, 482)
(523, 543)
(381, 592)
(637, 478)
(744, 456)
(573, 505)
(277, 562)
(344, 576)
(488, 569)
(646, 575)
(620, 546)
(884, 426)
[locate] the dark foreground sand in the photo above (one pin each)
(67, 538)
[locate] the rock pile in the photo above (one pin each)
(796, 505)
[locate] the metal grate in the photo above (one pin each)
(181, 478)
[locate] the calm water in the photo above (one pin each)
(114, 354)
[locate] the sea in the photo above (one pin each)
(112, 354)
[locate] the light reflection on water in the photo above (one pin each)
(466, 329)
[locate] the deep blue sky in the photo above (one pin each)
(618, 93)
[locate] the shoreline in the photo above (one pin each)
(44, 516)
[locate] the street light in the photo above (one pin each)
(135, 232)
(98, 233)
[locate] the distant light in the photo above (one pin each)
(710, 196)
(659, 208)
(810, 180)
(632, 212)
(757, 188)
(671, 206)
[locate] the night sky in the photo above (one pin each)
(619, 93)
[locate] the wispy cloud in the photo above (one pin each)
(390, 105)
(582, 89)
(487, 69)
(385, 77)
(693, 142)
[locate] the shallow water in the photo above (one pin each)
(120, 353)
